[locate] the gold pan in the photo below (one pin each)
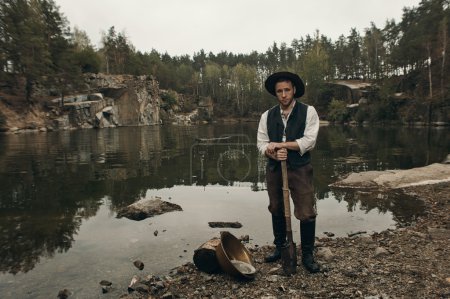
(234, 258)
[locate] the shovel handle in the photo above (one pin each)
(288, 254)
(286, 203)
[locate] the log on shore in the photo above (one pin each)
(205, 258)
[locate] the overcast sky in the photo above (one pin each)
(239, 26)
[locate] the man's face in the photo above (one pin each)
(285, 93)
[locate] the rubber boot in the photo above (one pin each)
(279, 232)
(307, 237)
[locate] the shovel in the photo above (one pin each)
(288, 252)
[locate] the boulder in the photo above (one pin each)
(145, 208)
(393, 179)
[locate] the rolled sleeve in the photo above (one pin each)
(262, 136)
(308, 141)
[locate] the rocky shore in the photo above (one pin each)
(408, 262)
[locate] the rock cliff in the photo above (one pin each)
(106, 101)
(112, 100)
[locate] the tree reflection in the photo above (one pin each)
(405, 208)
(50, 182)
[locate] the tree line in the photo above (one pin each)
(37, 45)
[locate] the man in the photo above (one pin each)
(289, 131)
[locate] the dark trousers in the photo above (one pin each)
(300, 181)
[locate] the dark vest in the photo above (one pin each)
(295, 129)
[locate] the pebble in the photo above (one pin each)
(325, 253)
(138, 264)
(366, 240)
(167, 295)
(245, 238)
(63, 294)
(141, 288)
(380, 251)
(273, 270)
(160, 285)
(133, 281)
(418, 234)
(105, 283)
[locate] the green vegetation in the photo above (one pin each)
(169, 99)
(338, 112)
(36, 45)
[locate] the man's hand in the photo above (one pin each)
(273, 147)
(281, 154)
(277, 153)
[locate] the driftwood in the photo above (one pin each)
(205, 258)
(356, 233)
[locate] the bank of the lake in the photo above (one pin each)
(409, 262)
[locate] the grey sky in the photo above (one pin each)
(239, 26)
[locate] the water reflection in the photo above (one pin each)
(404, 208)
(50, 182)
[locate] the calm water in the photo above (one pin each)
(59, 193)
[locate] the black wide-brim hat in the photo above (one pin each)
(276, 77)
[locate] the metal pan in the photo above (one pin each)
(234, 258)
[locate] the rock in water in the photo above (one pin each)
(145, 208)
(138, 264)
(63, 294)
(105, 283)
(222, 224)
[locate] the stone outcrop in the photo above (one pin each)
(398, 178)
(113, 100)
(104, 101)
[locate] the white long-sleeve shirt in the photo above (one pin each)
(306, 143)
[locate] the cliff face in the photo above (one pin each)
(115, 100)
(106, 101)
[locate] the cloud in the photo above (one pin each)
(238, 26)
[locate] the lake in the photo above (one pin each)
(60, 191)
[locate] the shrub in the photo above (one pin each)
(338, 112)
(362, 114)
(384, 110)
(169, 99)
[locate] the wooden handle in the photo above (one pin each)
(286, 203)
